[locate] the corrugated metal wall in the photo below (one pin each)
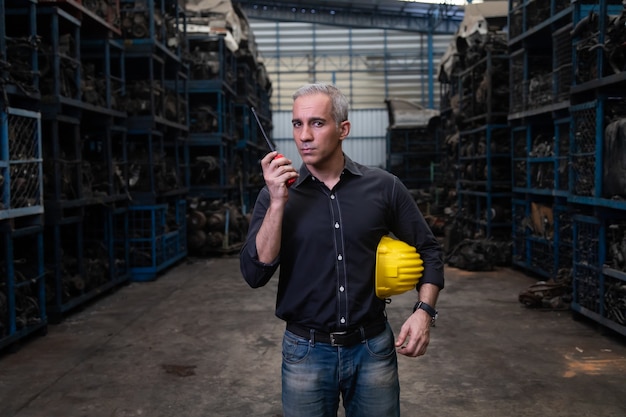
(367, 64)
(365, 144)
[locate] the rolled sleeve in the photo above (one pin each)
(255, 272)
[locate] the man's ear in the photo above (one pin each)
(344, 129)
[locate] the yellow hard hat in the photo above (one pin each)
(398, 267)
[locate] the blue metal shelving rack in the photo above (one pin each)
(156, 85)
(211, 144)
(22, 286)
(563, 218)
(597, 101)
(540, 78)
(157, 238)
(84, 150)
(225, 143)
(410, 153)
(22, 278)
(483, 185)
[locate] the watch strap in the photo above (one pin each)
(427, 308)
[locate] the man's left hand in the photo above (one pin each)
(414, 335)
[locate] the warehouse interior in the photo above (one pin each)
(131, 136)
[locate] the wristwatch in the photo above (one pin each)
(427, 308)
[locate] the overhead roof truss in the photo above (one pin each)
(414, 17)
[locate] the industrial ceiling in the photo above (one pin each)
(386, 14)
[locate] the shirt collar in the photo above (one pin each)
(349, 165)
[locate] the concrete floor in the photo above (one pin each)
(199, 342)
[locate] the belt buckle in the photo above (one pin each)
(333, 340)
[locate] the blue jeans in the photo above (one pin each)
(314, 375)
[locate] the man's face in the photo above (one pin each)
(315, 131)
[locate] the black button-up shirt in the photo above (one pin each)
(328, 248)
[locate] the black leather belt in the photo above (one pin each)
(342, 339)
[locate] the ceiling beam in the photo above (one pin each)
(423, 18)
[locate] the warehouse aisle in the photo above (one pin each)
(199, 342)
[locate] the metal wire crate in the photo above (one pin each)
(157, 238)
(586, 268)
(20, 163)
(22, 286)
(583, 153)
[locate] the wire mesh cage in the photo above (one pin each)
(519, 232)
(21, 167)
(586, 274)
(562, 47)
(583, 152)
(518, 90)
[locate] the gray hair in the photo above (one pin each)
(339, 102)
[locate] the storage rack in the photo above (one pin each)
(568, 216)
(597, 163)
(84, 152)
(22, 286)
(95, 133)
(211, 142)
(483, 150)
(22, 282)
(540, 77)
(448, 136)
(483, 185)
(225, 143)
(253, 89)
(157, 123)
(411, 154)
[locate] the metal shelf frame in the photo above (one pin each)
(594, 283)
(484, 195)
(21, 163)
(158, 238)
(22, 286)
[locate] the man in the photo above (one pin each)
(323, 232)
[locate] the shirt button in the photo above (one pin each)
(337, 225)
(340, 257)
(343, 320)
(332, 196)
(341, 289)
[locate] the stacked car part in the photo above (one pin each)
(22, 281)
(413, 149)
(568, 163)
(541, 68)
(156, 101)
(227, 79)
(84, 153)
(474, 131)
(597, 155)
(97, 156)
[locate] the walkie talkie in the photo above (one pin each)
(290, 181)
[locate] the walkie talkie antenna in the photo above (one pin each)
(290, 181)
(269, 143)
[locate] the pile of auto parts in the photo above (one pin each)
(18, 63)
(615, 289)
(614, 168)
(215, 227)
(70, 67)
(93, 88)
(27, 309)
(479, 255)
(107, 10)
(547, 295)
(587, 30)
(135, 23)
